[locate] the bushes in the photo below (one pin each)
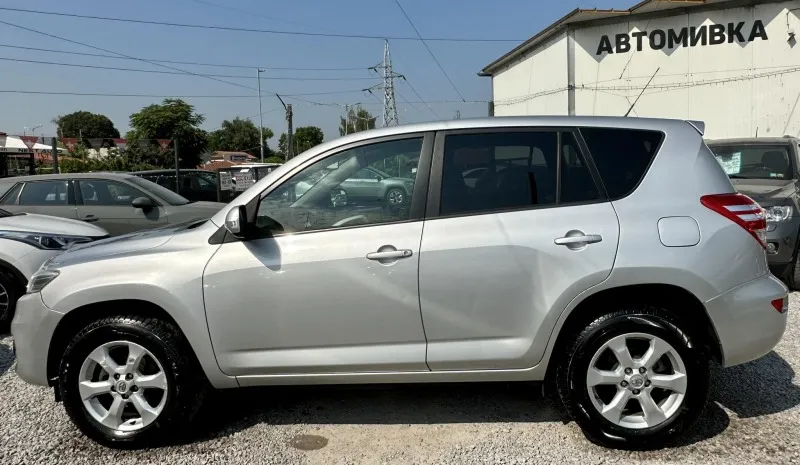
(109, 163)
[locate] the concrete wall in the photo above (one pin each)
(736, 87)
(543, 71)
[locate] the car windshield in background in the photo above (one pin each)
(754, 161)
(4, 213)
(162, 192)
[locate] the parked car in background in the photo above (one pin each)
(27, 241)
(119, 203)
(195, 185)
(766, 169)
(368, 186)
(610, 257)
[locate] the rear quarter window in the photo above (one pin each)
(622, 156)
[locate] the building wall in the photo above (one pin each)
(736, 87)
(545, 69)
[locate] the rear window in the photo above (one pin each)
(622, 156)
(754, 161)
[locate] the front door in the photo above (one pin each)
(107, 204)
(509, 248)
(329, 287)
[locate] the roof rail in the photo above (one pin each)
(699, 125)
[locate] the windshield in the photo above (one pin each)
(754, 161)
(161, 192)
(4, 213)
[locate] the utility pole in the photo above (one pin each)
(260, 114)
(457, 115)
(290, 134)
(390, 117)
(177, 168)
(54, 153)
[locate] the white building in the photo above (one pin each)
(734, 64)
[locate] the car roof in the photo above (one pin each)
(753, 140)
(188, 170)
(94, 175)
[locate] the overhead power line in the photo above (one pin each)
(261, 31)
(174, 62)
(138, 70)
(122, 54)
(253, 13)
(101, 94)
(429, 49)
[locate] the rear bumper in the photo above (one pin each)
(33, 327)
(747, 324)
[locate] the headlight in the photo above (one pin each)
(40, 279)
(44, 241)
(778, 214)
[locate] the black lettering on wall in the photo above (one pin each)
(758, 31)
(678, 38)
(639, 36)
(605, 46)
(735, 32)
(717, 33)
(699, 35)
(623, 43)
(658, 39)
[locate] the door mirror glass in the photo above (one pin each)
(338, 198)
(144, 203)
(235, 221)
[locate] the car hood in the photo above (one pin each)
(202, 209)
(29, 222)
(764, 191)
(127, 244)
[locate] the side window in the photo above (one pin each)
(207, 182)
(107, 193)
(497, 171)
(365, 175)
(622, 156)
(10, 198)
(45, 193)
(577, 183)
(317, 197)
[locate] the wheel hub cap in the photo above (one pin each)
(636, 382)
(122, 387)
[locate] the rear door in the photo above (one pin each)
(48, 197)
(502, 254)
(107, 204)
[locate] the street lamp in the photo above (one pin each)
(260, 114)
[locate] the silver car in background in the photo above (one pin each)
(610, 258)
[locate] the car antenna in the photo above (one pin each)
(642, 92)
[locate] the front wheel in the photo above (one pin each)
(128, 381)
(395, 197)
(8, 299)
(634, 379)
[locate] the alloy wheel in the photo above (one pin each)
(5, 301)
(123, 386)
(637, 381)
(395, 197)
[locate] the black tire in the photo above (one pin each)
(9, 293)
(396, 189)
(186, 384)
(575, 395)
(793, 278)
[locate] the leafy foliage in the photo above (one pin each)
(273, 159)
(305, 137)
(79, 162)
(172, 119)
(239, 135)
(85, 124)
(358, 119)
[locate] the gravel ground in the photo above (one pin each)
(753, 418)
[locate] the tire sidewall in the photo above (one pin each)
(11, 287)
(398, 189)
(69, 372)
(597, 426)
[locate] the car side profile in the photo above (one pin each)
(609, 258)
(117, 202)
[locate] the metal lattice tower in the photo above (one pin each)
(390, 117)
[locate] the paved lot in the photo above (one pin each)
(754, 418)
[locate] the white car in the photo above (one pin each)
(27, 241)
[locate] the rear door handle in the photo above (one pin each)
(404, 253)
(90, 218)
(586, 239)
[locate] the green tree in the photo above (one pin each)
(239, 135)
(85, 124)
(358, 119)
(172, 119)
(305, 137)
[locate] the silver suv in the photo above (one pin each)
(608, 257)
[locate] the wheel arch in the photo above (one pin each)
(676, 300)
(11, 270)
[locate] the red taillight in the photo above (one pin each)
(742, 210)
(781, 305)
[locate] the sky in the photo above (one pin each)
(516, 20)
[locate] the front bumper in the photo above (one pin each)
(781, 244)
(32, 328)
(747, 324)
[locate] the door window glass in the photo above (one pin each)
(207, 181)
(317, 198)
(577, 183)
(11, 197)
(45, 193)
(103, 192)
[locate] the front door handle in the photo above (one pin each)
(90, 219)
(389, 255)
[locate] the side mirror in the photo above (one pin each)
(338, 198)
(144, 203)
(236, 221)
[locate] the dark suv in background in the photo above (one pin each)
(766, 169)
(195, 185)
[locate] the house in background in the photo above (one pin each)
(223, 159)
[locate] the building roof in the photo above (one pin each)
(583, 15)
(94, 175)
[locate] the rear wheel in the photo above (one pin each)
(794, 273)
(634, 379)
(9, 293)
(395, 197)
(128, 381)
